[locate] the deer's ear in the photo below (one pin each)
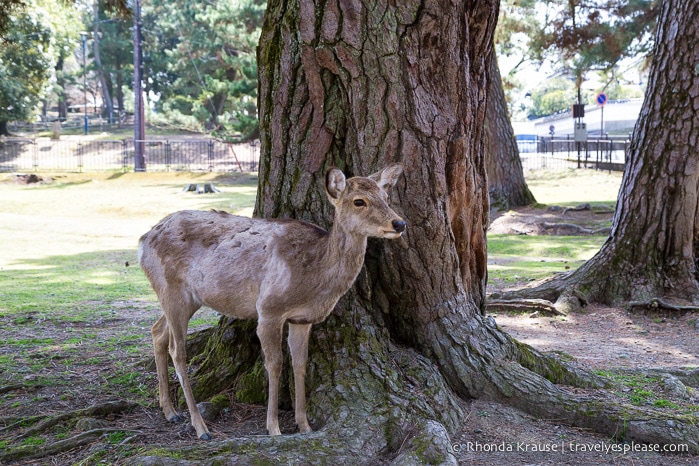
(334, 183)
(387, 177)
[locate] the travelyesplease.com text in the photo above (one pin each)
(574, 447)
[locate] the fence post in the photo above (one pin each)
(124, 155)
(211, 155)
(35, 155)
(168, 155)
(80, 157)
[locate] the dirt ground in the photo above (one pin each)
(490, 434)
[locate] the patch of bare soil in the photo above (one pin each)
(582, 219)
(490, 433)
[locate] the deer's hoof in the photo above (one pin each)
(176, 418)
(305, 429)
(206, 436)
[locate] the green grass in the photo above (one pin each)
(69, 278)
(513, 258)
(642, 390)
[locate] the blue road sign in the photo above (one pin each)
(601, 99)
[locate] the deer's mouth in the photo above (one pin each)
(392, 234)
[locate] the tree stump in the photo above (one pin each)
(201, 188)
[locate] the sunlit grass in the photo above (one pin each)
(514, 258)
(79, 213)
(572, 187)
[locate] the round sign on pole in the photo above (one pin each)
(601, 99)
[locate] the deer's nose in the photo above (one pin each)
(399, 226)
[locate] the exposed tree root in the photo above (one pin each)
(43, 423)
(571, 301)
(34, 451)
(382, 401)
(622, 422)
(12, 388)
(522, 305)
(577, 228)
(385, 402)
(104, 409)
(541, 385)
(577, 208)
(659, 304)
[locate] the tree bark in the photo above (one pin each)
(651, 252)
(506, 185)
(360, 87)
(106, 95)
(61, 83)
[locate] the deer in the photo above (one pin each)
(278, 271)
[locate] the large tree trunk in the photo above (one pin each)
(506, 185)
(359, 88)
(61, 84)
(650, 256)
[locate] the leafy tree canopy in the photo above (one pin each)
(26, 61)
(209, 68)
(574, 38)
(587, 35)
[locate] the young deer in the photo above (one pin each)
(272, 270)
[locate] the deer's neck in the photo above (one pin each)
(344, 256)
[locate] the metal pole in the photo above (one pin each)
(578, 143)
(83, 36)
(139, 123)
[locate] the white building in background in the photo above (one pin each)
(618, 117)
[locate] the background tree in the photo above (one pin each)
(210, 68)
(116, 49)
(26, 62)
(554, 95)
(65, 27)
(518, 20)
(7, 9)
(105, 88)
(585, 36)
(506, 184)
(650, 256)
(400, 81)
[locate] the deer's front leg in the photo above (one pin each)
(270, 334)
(298, 345)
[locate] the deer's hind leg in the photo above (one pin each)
(177, 322)
(161, 342)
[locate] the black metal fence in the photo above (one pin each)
(43, 154)
(161, 155)
(549, 153)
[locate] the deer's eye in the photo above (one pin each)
(359, 203)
